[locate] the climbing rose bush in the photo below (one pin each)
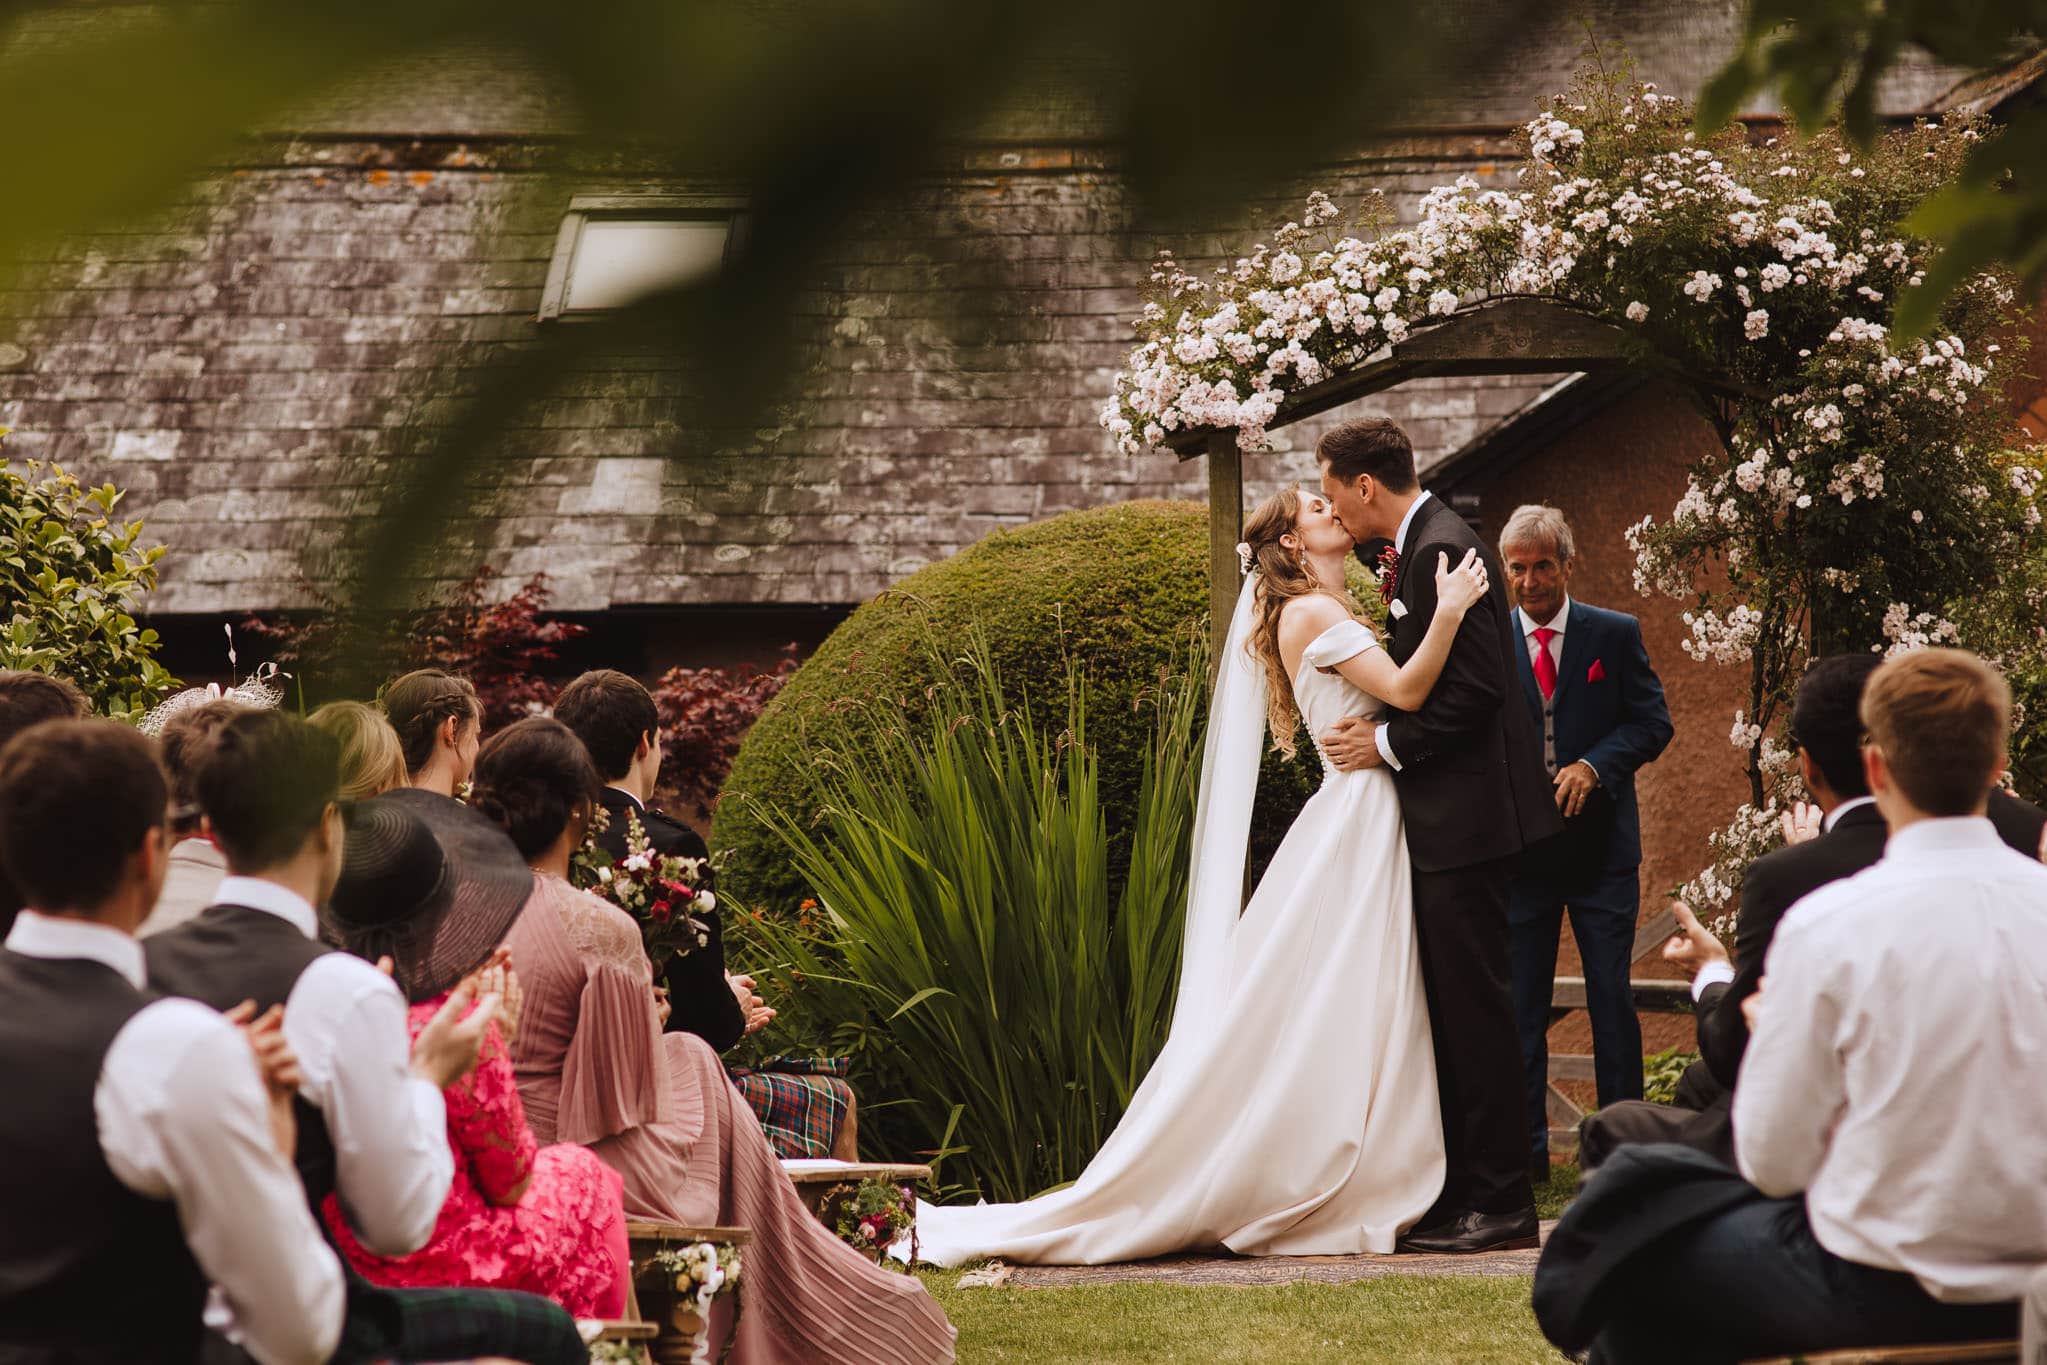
(1867, 494)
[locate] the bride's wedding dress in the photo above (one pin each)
(1293, 1109)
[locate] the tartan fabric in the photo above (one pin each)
(404, 1326)
(801, 1113)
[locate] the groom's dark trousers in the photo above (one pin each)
(1473, 794)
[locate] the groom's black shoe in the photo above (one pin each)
(1475, 1232)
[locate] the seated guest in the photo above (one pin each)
(615, 718)
(805, 1113)
(146, 1158)
(372, 1123)
(1895, 1160)
(196, 866)
(518, 1216)
(595, 1068)
(1598, 705)
(1826, 730)
(27, 698)
(439, 723)
(372, 761)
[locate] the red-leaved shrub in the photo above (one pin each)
(705, 713)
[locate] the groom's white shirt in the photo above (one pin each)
(1400, 547)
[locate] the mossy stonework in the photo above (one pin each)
(1121, 590)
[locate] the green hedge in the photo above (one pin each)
(1118, 589)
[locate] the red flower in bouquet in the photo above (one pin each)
(656, 890)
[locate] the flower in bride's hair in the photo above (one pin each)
(1243, 556)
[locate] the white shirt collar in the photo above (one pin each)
(272, 899)
(53, 936)
(1833, 817)
(1947, 834)
(1400, 536)
(1556, 623)
(637, 803)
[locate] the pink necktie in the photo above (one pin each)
(1545, 667)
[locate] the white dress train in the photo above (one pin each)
(1298, 1116)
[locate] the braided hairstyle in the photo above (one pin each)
(419, 702)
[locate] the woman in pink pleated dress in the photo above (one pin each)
(595, 1068)
(547, 1220)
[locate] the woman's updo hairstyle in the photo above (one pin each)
(417, 703)
(535, 778)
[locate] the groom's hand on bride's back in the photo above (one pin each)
(1351, 744)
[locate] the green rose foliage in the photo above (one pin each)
(69, 575)
(1116, 589)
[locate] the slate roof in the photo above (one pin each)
(246, 366)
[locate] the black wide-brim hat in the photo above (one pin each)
(433, 881)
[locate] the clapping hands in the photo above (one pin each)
(756, 1010)
(277, 1064)
(447, 1048)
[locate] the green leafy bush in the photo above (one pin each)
(1114, 593)
(69, 577)
(974, 951)
(1661, 1071)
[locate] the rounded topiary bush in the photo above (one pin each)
(1120, 590)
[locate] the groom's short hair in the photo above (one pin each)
(1942, 718)
(610, 712)
(1370, 445)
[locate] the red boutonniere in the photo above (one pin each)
(1596, 673)
(1389, 572)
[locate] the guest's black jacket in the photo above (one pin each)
(699, 1000)
(1471, 781)
(1777, 881)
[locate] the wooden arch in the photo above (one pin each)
(1521, 335)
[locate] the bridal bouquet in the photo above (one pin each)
(664, 894)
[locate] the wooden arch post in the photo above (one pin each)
(1225, 530)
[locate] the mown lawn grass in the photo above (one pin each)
(1399, 1320)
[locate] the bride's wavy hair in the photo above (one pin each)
(1283, 574)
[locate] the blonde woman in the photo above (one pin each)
(1293, 1110)
(372, 761)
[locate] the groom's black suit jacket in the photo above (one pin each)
(1471, 780)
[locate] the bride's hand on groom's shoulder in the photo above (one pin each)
(1458, 589)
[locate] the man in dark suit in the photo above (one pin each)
(1599, 707)
(1469, 772)
(617, 721)
(1826, 729)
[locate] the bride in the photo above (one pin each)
(1293, 1108)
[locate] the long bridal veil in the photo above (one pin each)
(1222, 822)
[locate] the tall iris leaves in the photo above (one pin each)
(1016, 993)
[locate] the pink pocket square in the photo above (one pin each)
(1596, 673)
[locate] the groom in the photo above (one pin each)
(1469, 771)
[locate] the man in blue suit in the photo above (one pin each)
(1599, 708)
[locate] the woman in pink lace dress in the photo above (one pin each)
(595, 1068)
(548, 1220)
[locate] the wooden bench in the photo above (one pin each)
(677, 1331)
(1951, 1353)
(816, 1180)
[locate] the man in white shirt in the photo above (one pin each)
(1885, 1115)
(373, 1126)
(143, 1157)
